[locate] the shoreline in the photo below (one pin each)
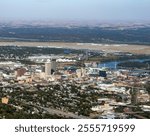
(135, 49)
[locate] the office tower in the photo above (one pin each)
(53, 65)
(47, 68)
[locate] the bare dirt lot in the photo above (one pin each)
(136, 49)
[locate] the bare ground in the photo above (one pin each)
(136, 49)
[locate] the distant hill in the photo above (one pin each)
(121, 35)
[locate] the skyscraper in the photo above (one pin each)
(47, 68)
(53, 65)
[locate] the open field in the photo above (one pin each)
(136, 49)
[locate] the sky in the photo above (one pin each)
(77, 10)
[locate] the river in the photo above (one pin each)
(113, 64)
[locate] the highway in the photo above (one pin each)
(62, 113)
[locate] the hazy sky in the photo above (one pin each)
(100, 10)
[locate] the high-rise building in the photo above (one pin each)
(53, 65)
(47, 68)
(50, 67)
(86, 55)
(134, 95)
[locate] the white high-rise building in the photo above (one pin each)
(47, 68)
(50, 67)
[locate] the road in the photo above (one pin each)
(62, 113)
